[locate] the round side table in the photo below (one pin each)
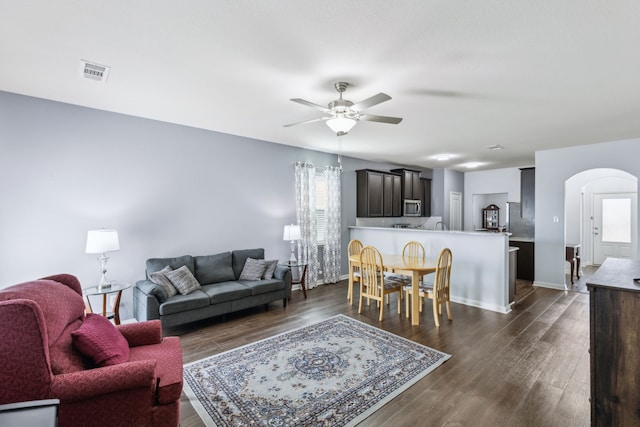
(302, 281)
(116, 287)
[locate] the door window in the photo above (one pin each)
(616, 220)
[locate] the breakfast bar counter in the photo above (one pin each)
(480, 268)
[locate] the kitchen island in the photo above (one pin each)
(480, 269)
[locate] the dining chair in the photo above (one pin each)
(413, 249)
(354, 248)
(375, 283)
(439, 290)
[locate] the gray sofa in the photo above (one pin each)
(222, 291)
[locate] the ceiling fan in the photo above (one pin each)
(343, 114)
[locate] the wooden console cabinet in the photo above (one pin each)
(615, 343)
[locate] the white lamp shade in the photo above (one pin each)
(291, 232)
(341, 125)
(101, 241)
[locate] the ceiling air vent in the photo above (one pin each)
(494, 147)
(96, 72)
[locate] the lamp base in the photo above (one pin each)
(292, 258)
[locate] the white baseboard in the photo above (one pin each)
(474, 303)
(556, 286)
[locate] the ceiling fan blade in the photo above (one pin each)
(307, 121)
(381, 119)
(370, 102)
(311, 104)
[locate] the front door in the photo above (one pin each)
(614, 226)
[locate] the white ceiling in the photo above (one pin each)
(464, 75)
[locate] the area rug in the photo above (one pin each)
(332, 373)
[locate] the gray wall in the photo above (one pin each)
(553, 168)
(169, 190)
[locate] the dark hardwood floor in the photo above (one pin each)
(529, 367)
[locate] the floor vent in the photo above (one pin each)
(96, 72)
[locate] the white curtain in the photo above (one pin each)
(306, 215)
(333, 228)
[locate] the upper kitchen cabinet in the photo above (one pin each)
(379, 194)
(411, 185)
(528, 193)
(426, 196)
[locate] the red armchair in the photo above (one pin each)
(39, 361)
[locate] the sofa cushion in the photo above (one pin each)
(160, 279)
(226, 291)
(183, 280)
(263, 286)
(271, 268)
(214, 268)
(239, 257)
(157, 264)
(180, 303)
(100, 341)
(63, 355)
(253, 269)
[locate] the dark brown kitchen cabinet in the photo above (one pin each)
(525, 261)
(614, 307)
(528, 193)
(378, 194)
(426, 196)
(411, 186)
(392, 195)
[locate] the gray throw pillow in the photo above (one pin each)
(161, 280)
(253, 269)
(183, 280)
(270, 269)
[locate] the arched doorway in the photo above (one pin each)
(601, 214)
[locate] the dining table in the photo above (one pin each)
(412, 267)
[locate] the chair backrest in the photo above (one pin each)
(371, 272)
(442, 281)
(355, 247)
(413, 249)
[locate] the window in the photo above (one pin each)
(321, 206)
(616, 220)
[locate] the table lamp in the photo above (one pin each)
(291, 233)
(100, 242)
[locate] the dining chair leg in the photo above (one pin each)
(399, 301)
(407, 300)
(449, 312)
(435, 312)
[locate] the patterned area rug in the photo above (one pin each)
(333, 373)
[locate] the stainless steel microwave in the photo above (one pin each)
(411, 207)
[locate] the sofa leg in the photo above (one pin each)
(284, 303)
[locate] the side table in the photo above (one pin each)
(98, 290)
(303, 276)
(572, 255)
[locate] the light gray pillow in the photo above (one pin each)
(269, 269)
(253, 269)
(161, 280)
(183, 280)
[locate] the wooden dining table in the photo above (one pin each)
(412, 267)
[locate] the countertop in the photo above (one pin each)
(473, 233)
(521, 239)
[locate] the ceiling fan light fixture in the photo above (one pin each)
(341, 125)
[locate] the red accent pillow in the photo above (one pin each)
(99, 340)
